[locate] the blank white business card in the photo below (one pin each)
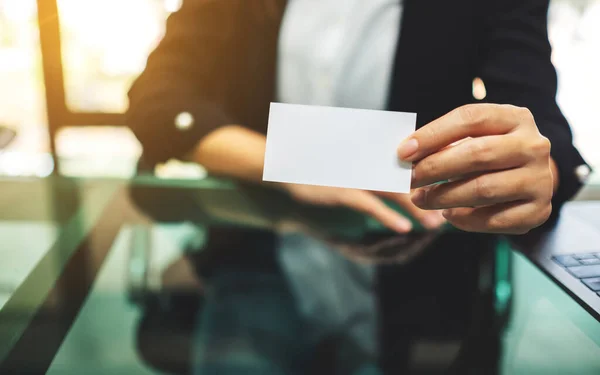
(341, 147)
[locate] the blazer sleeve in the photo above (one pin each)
(215, 60)
(516, 68)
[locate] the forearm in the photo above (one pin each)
(232, 151)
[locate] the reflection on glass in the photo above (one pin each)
(549, 332)
(93, 151)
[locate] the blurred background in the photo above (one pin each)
(65, 69)
(94, 49)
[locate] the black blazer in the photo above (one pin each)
(217, 61)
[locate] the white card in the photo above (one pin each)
(341, 147)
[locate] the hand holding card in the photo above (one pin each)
(344, 157)
(501, 176)
(340, 147)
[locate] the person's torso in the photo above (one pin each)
(432, 69)
(338, 52)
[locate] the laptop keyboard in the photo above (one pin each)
(585, 267)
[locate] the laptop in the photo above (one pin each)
(570, 253)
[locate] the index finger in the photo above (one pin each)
(474, 120)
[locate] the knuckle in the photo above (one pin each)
(546, 184)
(508, 108)
(471, 114)
(504, 224)
(501, 224)
(537, 185)
(481, 153)
(544, 213)
(427, 167)
(520, 145)
(484, 188)
(541, 147)
(525, 187)
(430, 133)
(497, 223)
(524, 115)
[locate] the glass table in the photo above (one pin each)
(152, 276)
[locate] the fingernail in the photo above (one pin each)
(403, 225)
(407, 148)
(446, 213)
(418, 197)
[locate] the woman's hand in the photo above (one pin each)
(369, 203)
(500, 174)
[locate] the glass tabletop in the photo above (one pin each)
(165, 276)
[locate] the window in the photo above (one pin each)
(105, 44)
(22, 89)
(574, 29)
